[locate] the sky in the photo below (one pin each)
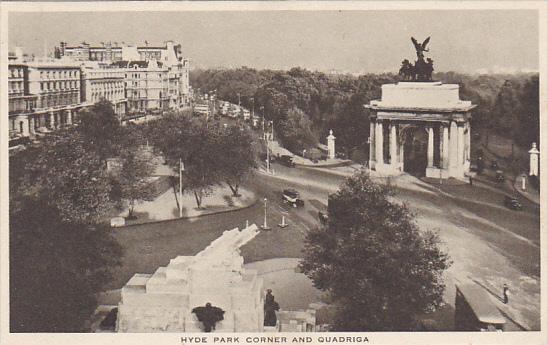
(348, 41)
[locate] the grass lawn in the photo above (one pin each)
(148, 246)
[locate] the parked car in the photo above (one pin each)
(512, 203)
(324, 218)
(272, 157)
(287, 161)
(494, 165)
(499, 176)
(292, 197)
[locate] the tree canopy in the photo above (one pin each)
(181, 137)
(336, 101)
(61, 252)
(237, 156)
(63, 169)
(56, 267)
(379, 268)
(100, 128)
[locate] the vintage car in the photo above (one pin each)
(292, 197)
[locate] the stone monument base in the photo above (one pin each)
(389, 169)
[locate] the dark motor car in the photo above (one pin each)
(324, 218)
(271, 157)
(293, 197)
(512, 203)
(499, 176)
(286, 160)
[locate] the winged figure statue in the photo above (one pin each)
(420, 48)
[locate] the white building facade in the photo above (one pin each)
(104, 82)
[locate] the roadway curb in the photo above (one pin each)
(253, 203)
(520, 192)
(332, 165)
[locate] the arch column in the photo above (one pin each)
(430, 151)
(460, 147)
(453, 145)
(379, 143)
(393, 145)
(372, 156)
(445, 148)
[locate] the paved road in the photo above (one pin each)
(488, 244)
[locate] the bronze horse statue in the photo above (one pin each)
(407, 70)
(422, 70)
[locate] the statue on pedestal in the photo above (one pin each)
(270, 308)
(209, 316)
(422, 70)
(420, 48)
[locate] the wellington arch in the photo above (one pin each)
(422, 128)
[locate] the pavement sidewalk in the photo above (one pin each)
(277, 150)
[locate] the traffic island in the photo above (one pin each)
(165, 206)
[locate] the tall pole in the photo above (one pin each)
(267, 158)
(265, 226)
(181, 168)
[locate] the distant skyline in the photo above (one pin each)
(347, 41)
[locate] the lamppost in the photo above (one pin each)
(262, 113)
(181, 170)
(267, 157)
(253, 107)
(265, 226)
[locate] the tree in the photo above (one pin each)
(506, 110)
(56, 268)
(296, 131)
(237, 156)
(64, 170)
(529, 124)
(180, 137)
(100, 127)
(379, 269)
(133, 177)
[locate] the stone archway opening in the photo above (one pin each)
(415, 146)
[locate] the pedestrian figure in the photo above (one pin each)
(209, 316)
(470, 179)
(505, 293)
(270, 308)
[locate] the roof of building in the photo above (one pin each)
(481, 304)
(114, 45)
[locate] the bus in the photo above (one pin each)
(474, 310)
